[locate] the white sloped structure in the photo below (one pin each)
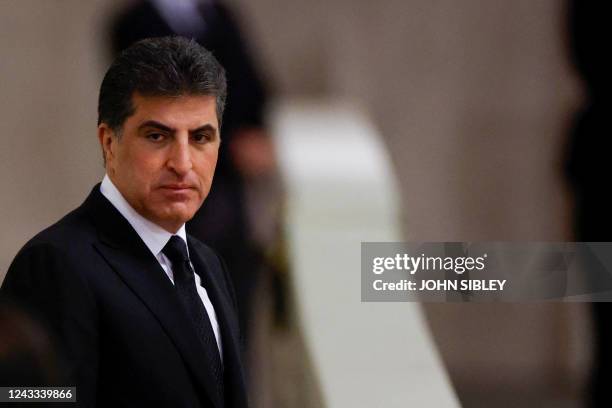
(341, 191)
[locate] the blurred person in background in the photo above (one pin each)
(246, 155)
(144, 314)
(588, 167)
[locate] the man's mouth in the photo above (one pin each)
(177, 186)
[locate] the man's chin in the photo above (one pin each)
(172, 218)
(179, 217)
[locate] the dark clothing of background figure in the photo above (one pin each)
(588, 167)
(123, 333)
(27, 356)
(222, 221)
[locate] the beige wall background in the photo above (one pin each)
(472, 98)
(52, 63)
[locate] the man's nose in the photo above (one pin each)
(180, 155)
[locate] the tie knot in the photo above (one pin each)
(176, 250)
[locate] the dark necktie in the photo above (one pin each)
(184, 282)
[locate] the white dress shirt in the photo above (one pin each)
(156, 238)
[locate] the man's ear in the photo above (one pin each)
(108, 140)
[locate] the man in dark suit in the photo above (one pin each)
(143, 314)
(245, 156)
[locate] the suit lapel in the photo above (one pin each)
(128, 255)
(211, 275)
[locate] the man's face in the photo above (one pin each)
(164, 160)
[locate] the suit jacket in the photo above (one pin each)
(125, 339)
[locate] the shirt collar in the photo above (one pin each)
(154, 236)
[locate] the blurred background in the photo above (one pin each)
(464, 112)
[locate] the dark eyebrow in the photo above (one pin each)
(207, 127)
(161, 126)
(155, 124)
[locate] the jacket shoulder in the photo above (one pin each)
(54, 254)
(68, 234)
